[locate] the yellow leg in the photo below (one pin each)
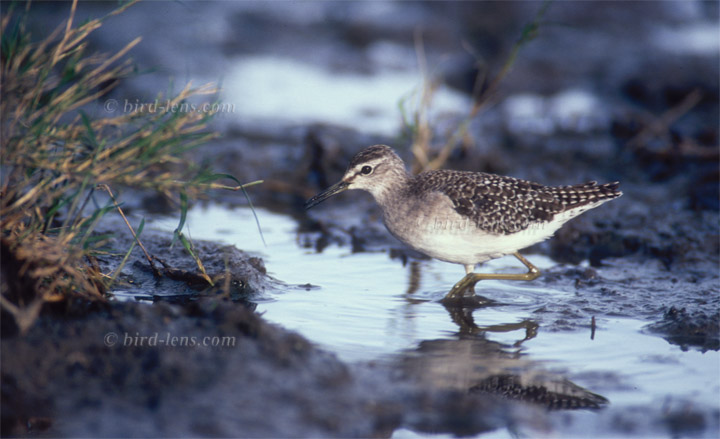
(468, 282)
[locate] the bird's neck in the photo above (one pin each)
(392, 191)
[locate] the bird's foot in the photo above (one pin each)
(463, 295)
(464, 288)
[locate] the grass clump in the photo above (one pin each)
(58, 163)
(414, 112)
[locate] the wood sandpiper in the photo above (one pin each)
(466, 217)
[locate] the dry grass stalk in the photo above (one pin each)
(54, 155)
(420, 127)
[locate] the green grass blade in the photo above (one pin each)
(257, 221)
(177, 234)
(127, 255)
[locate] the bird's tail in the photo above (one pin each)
(586, 194)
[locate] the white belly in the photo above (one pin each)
(470, 245)
(455, 238)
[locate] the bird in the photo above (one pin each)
(465, 217)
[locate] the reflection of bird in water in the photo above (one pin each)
(480, 366)
(551, 392)
(462, 316)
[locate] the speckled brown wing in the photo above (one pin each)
(505, 205)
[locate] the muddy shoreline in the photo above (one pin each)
(645, 113)
(97, 386)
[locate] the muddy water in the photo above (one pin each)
(367, 307)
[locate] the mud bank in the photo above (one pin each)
(627, 93)
(97, 377)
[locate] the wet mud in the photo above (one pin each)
(127, 368)
(266, 383)
(652, 255)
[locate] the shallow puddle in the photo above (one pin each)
(361, 307)
(310, 95)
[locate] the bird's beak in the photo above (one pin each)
(327, 193)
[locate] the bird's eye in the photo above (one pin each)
(366, 170)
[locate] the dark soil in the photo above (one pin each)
(132, 369)
(654, 253)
